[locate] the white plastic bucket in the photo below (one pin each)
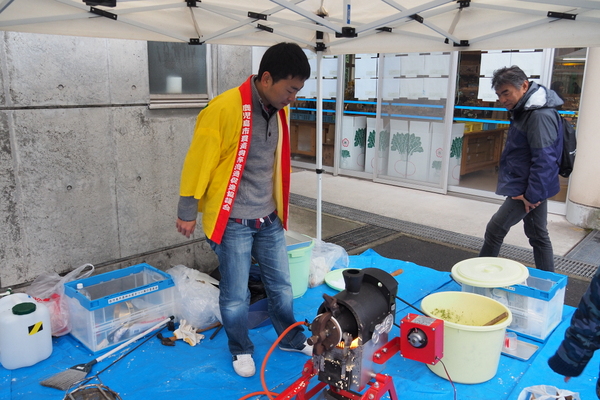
(471, 350)
(25, 332)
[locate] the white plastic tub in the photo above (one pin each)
(471, 350)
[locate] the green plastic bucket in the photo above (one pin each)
(471, 350)
(299, 260)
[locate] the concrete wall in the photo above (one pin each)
(232, 66)
(87, 172)
(583, 205)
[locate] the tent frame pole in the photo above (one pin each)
(319, 160)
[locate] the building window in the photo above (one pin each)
(178, 75)
(567, 77)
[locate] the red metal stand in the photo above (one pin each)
(298, 388)
(377, 388)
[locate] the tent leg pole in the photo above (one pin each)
(319, 145)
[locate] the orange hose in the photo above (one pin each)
(264, 365)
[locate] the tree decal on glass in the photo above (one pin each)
(406, 144)
(384, 140)
(371, 139)
(456, 147)
(352, 150)
(360, 137)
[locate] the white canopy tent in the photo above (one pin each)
(370, 26)
(324, 26)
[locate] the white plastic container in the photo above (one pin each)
(7, 302)
(25, 332)
(535, 297)
(471, 349)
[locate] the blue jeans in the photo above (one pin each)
(267, 245)
(535, 221)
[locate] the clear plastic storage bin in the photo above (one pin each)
(110, 308)
(537, 307)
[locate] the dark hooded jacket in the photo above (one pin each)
(531, 156)
(582, 337)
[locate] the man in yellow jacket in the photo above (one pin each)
(237, 173)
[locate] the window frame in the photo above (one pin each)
(180, 100)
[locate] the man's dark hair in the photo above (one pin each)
(283, 61)
(508, 75)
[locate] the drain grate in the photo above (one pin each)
(360, 237)
(565, 265)
(588, 250)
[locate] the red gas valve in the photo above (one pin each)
(422, 338)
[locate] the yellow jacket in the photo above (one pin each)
(217, 155)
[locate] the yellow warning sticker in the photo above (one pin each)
(35, 328)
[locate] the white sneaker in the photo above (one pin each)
(244, 365)
(306, 350)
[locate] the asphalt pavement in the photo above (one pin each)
(358, 226)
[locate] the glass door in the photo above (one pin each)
(486, 121)
(566, 79)
(396, 127)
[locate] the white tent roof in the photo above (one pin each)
(385, 26)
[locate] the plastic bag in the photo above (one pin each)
(196, 299)
(325, 257)
(49, 289)
(546, 392)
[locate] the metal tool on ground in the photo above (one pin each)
(93, 391)
(84, 390)
(64, 380)
(216, 331)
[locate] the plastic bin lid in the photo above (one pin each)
(489, 272)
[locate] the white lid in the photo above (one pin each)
(489, 272)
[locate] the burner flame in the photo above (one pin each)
(353, 345)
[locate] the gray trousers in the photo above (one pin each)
(535, 226)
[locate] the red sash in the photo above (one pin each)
(242, 156)
(286, 167)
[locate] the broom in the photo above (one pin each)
(64, 380)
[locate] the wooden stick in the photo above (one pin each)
(215, 325)
(497, 319)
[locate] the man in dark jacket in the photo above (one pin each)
(528, 173)
(582, 337)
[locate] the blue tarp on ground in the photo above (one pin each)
(204, 371)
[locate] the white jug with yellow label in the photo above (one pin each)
(25, 332)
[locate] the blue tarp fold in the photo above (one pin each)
(205, 371)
